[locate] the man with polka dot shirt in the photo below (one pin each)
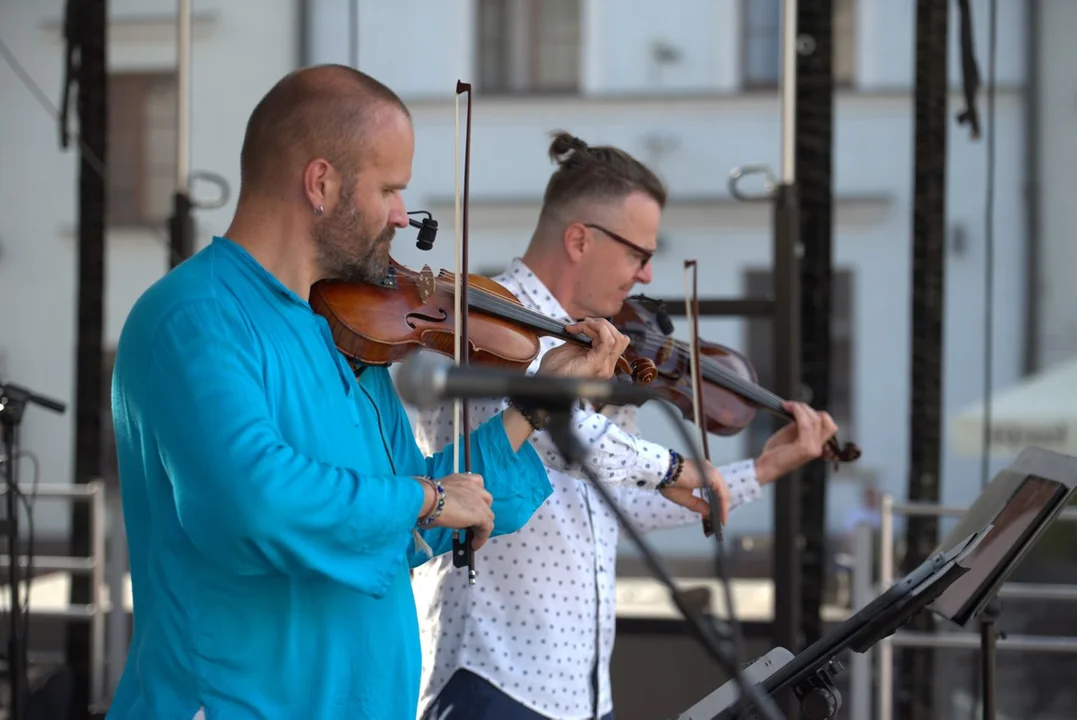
(533, 638)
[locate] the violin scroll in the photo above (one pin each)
(643, 371)
(730, 394)
(841, 452)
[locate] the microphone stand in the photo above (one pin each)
(13, 402)
(714, 638)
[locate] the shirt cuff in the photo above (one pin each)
(652, 463)
(740, 477)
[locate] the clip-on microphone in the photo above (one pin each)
(428, 229)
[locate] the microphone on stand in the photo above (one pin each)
(427, 379)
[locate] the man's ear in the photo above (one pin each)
(577, 240)
(321, 185)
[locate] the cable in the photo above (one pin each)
(28, 504)
(95, 162)
(43, 100)
(989, 247)
(720, 569)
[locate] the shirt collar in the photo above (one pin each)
(255, 270)
(536, 294)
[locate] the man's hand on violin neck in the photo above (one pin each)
(693, 478)
(796, 444)
(598, 361)
(467, 505)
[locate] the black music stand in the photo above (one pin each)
(959, 582)
(1018, 507)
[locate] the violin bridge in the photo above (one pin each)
(425, 284)
(665, 352)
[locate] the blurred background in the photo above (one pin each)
(692, 88)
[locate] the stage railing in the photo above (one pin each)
(93, 493)
(865, 589)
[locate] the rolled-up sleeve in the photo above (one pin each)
(516, 480)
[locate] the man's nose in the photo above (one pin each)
(645, 275)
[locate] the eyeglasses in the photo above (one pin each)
(644, 254)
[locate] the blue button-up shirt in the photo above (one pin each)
(269, 505)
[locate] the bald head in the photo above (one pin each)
(325, 111)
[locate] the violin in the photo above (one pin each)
(729, 393)
(379, 324)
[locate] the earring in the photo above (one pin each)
(319, 210)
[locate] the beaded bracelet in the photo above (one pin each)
(439, 490)
(676, 465)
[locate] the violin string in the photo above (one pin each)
(482, 299)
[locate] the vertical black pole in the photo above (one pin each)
(1033, 335)
(10, 417)
(181, 224)
(915, 671)
(353, 33)
(181, 229)
(787, 494)
(93, 128)
(787, 250)
(814, 149)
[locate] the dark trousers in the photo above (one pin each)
(469, 697)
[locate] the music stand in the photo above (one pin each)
(1018, 506)
(958, 582)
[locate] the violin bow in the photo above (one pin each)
(463, 554)
(695, 366)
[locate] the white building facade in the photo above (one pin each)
(691, 91)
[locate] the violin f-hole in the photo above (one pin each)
(428, 318)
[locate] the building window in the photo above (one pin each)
(529, 46)
(762, 42)
(141, 148)
(760, 345)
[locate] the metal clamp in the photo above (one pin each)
(739, 172)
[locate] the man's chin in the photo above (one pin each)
(619, 306)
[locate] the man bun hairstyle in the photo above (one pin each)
(601, 172)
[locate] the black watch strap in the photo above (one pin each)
(538, 418)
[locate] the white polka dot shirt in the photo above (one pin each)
(541, 614)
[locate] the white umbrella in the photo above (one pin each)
(1039, 410)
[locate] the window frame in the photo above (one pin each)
(757, 283)
(128, 98)
(844, 44)
(524, 31)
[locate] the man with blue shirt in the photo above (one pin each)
(274, 496)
